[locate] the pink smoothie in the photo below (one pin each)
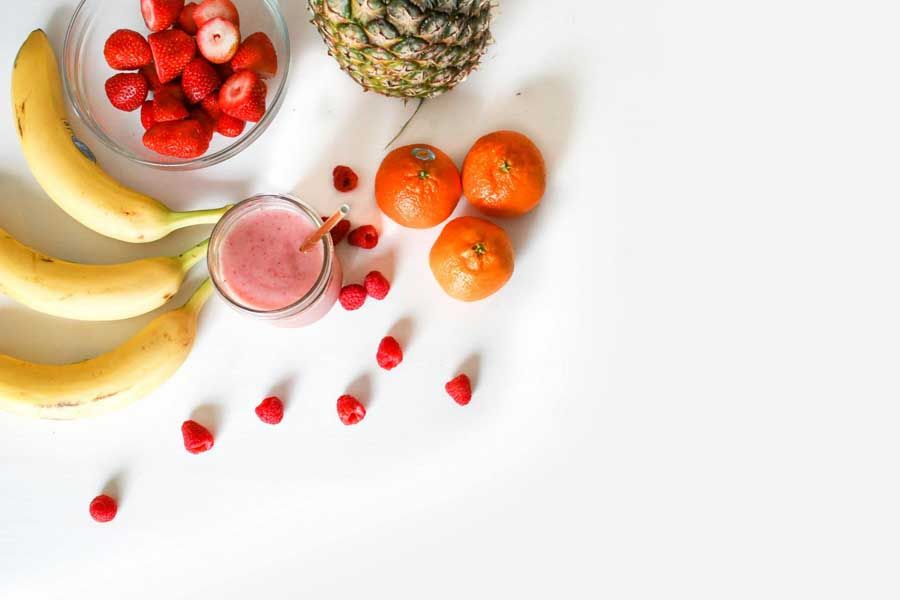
(263, 268)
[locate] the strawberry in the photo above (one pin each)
(198, 80)
(168, 104)
(147, 119)
(160, 14)
(172, 50)
(207, 122)
(149, 71)
(225, 70)
(186, 19)
(181, 139)
(218, 40)
(126, 49)
(256, 54)
(211, 105)
(127, 91)
(229, 126)
(211, 9)
(243, 96)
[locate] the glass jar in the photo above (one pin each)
(314, 303)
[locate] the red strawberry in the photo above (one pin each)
(147, 119)
(186, 18)
(211, 9)
(181, 139)
(256, 54)
(172, 50)
(149, 71)
(168, 104)
(127, 91)
(206, 121)
(126, 49)
(225, 70)
(244, 96)
(160, 14)
(198, 80)
(211, 105)
(218, 40)
(229, 126)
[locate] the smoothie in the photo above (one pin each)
(260, 266)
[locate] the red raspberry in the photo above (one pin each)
(353, 296)
(350, 410)
(460, 389)
(390, 354)
(340, 230)
(345, 179)
(103, 508)
(197, 438)
(270, 410)
(377, 285)
(364, 237)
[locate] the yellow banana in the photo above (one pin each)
(109, 381)
(73, 180)
(90, 292)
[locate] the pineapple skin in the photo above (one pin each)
(405, 48)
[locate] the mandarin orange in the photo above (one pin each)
(472, 258)
(417, 186)
(504, 174)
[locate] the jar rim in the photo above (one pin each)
(235, 213)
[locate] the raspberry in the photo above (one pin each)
(460, 389)
(197, 438)
(390, 354)
(350, 410)
(353, 296)
(103, 508)
(377, 285)
(270, 410)
(364, 237)
(345, 179)
(340, 230)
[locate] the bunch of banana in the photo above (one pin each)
(109, 381)
(91, 292)
(73, 180)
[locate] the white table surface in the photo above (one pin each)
(688, 389)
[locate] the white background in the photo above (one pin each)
(688, 389)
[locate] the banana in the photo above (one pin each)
(108, 382)
(63, 166)
(90, 292)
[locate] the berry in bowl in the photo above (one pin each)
(176, 84)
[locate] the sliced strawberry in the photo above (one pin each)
(199, 79)
(168, 104)
(160, 14)
(181, 139)
(256, 54)
(147, 119)
(229, 126)
(225, 70)
(126, 49)
(243, 96)
(218, 40)
(186, 18)
(211, 9)
(149, 71)
(207, 122)
(127, 91)
(172, 50)
(211, 105)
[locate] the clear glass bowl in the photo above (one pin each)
(85, 72)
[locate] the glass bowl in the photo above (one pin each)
(85, 72)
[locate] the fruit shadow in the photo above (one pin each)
(471, 366)
(210, 416)
(115, 486)
(361, 389)
(403, 331)
(285, 389)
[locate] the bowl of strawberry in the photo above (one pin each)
(176, 84)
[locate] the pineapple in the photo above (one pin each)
(405, 48)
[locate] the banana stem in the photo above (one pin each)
(177, 220)
(191, 257)
(199, 298)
